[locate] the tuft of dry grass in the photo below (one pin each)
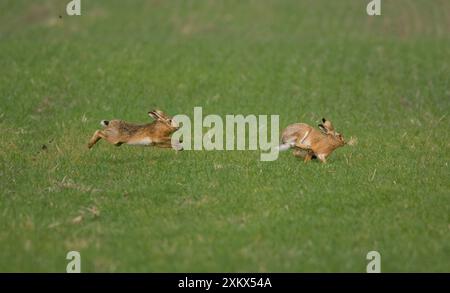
(353, 141)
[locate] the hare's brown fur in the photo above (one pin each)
(309, 142)
(158, 133)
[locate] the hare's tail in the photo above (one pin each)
(285, 146)
(104, 123)
(292, 143)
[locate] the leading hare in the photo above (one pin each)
(308, 142)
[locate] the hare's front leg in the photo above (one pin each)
(99, 135)
(322, 158)
(95, 138)
(177, 146)
(168, 144)
(308, 157)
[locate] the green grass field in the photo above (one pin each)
(383, 80)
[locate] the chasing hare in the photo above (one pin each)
(158, 133)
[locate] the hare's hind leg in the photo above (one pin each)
(109, 138)
(308, 157)
(95, 138)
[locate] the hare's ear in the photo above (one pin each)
(153, 115)
(323, 129)
(161, 115)
(159, 112)
(327, 125)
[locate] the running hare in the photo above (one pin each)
(309, 142)
(158, 133)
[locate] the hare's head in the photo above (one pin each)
(162, 117)
(327, 128)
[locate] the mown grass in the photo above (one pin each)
(384, 80)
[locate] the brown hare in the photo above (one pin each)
(308, 142)
(158, 133)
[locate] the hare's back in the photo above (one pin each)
(293, 131)
(125, 128)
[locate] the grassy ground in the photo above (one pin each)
(384, 80)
